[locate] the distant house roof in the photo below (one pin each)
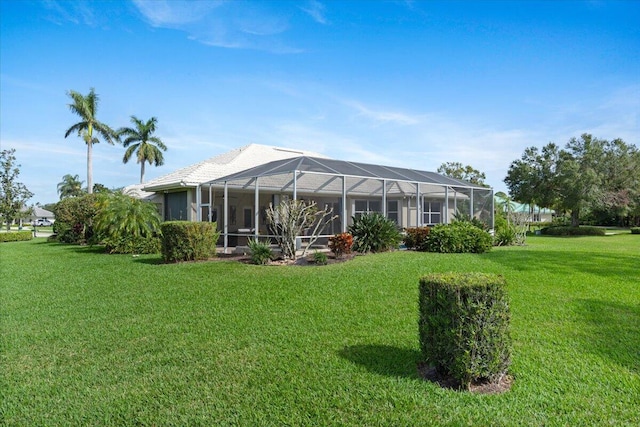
(38, 212)
(228, 163)
(525, 208)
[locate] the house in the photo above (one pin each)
(536, 213)
(39, 215)
(235, 189)
(179, 194)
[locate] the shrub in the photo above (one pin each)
(320, 258)
(126, 224)
(416, 237)
(261, 252)
(560, 221)
(74, 219)
(458, 237)
(16, 236)
(635, 230)
(572, 231)
(341, 244)
(476, 222)
(504, 236)
(188, 241)
(374, 233)
(464, 326)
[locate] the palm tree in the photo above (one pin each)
(125, 222)
(70, 186)
(89, 128)
(505, 204)
(141, 141)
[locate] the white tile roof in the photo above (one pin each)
(224, 164)
(136, 190)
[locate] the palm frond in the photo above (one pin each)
(78, 127)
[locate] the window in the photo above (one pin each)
(366, 206)
(175, 206)
(248, 217)
(392, 211)
(431, 212)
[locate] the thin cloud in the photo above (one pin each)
(173, 14)
(382, 116)
(230, 25)
(78, 12)
(316, 11)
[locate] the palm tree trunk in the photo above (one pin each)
(89, 168)
(142, 172)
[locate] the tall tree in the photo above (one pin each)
(620, 170)
(70, 186)
(89, 128)
(466, 173)
(532, 179)
(579, 175)
(140, 140)
(13, 194)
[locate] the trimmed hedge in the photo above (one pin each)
(464, 326)
(635, 230)
(188, 240)
(572, 231)
(458, 237)
(16, 236)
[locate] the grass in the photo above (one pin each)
(94, 339)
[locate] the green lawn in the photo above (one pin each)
(94, 339)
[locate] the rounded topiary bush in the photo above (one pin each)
(464, 326)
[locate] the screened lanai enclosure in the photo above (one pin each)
(409, 197)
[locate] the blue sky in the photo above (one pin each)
(401, 83)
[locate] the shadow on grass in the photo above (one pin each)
(150, 261)
(610, 265)
(611, 330)
(384, 359)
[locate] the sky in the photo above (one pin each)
(400, 83)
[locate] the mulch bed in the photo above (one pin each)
(430, 374)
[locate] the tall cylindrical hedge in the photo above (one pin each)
(464, 326)
(188, 241)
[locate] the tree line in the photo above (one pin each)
(591, 179)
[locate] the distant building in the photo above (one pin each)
(38, 214)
